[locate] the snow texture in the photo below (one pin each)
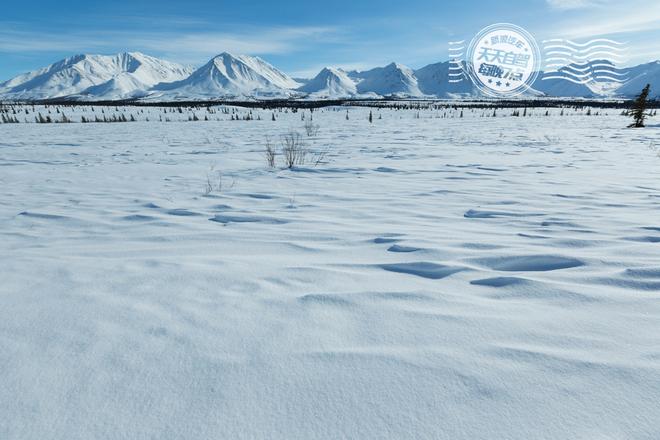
(431, 278)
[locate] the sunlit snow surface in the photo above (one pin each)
(474, 278)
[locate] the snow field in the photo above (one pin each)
(431, 278)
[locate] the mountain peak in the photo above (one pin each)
(398, 66)
(102, 76)
(331, 82)
(226, 55)
(238, 57)
(329, 70)
(229, 75)
(393, 79)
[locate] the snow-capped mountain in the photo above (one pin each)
(589, 79)
(639, 77)
(434, 80)
(330, 82)
(229, 75)
(103, 77)
(135, 75)
(392, 80)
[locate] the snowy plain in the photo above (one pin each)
(429, 278)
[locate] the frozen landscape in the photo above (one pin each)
(423, 276)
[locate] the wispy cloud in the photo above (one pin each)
(575, 4)
(637, 22)
(188, 47)
(613, 21)
(20, 41)
(194, 46)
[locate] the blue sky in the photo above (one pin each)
(300, 37)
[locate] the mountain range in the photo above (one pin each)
(226, 76)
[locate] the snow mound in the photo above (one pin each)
(530, 263)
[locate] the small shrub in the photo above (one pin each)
(293, 149)
(312, 129)
(213, 181)
(270, 154)
(319, 156)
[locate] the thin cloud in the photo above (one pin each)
(25, 42)
(187, 47)
(575, 4)
(613, 22)
(636, 23)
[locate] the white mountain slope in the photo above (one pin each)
(639, 77)
(95, 76)
(393, 79)
(330, 82)
(228, 75)
(138, 74)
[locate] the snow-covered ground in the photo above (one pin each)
(429, 278)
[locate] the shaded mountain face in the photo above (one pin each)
(106, 77)
(435, 80)
(228, 75)
(589, 79)
(561, 88)
(639, 77)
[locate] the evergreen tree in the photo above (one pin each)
(638, 111)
